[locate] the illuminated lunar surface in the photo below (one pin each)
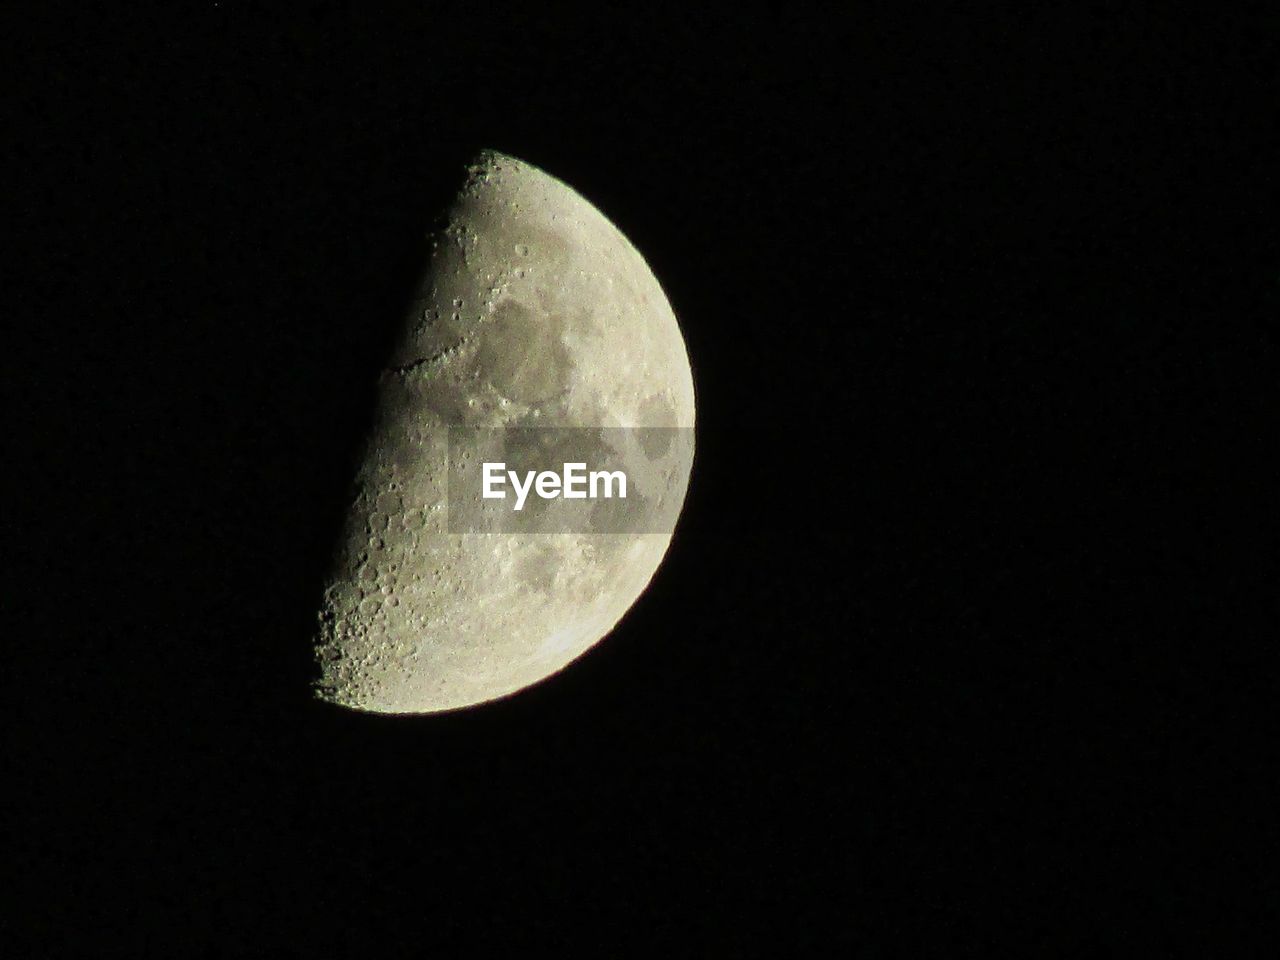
(534, 311)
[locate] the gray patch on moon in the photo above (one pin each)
(535, 311)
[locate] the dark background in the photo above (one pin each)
(959, 643)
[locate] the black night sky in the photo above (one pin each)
(959, 645)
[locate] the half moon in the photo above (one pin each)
(535, 310)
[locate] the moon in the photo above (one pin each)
(534, 312)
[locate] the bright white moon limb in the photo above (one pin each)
(535, 312)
